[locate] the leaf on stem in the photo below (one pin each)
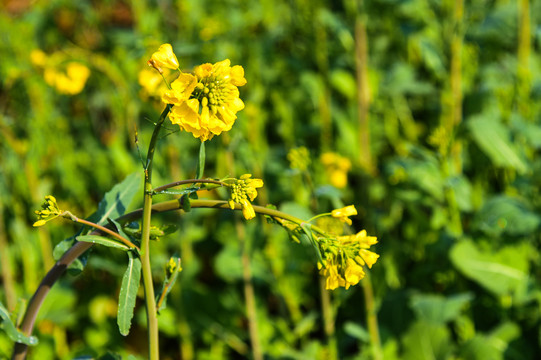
(12, 331)
(128, 293)
(115, 202)
(97, 239)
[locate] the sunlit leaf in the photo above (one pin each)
(128, 293)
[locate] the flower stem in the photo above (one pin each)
(101, 228)
(186, 182)
(150, 300)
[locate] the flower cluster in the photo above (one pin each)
(49, 211)
(206, 102)
(344, 258)
(243, 191)
(66, 77)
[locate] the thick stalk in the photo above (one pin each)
(150, 299)
(371, 318)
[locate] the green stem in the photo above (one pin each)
(186, 182)
(150, 300)
(371, 318)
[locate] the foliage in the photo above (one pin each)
(436, 105)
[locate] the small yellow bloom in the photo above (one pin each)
(337, 168)
(368, 257)
(242, 190)
(151, 81)
(164, 57)
(206, 103)
(344, 213)
(38, 58)
(354, 273)
(71, 82)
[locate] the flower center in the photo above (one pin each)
(215, 89)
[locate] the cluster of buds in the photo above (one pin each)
(243, 191)
(49, 210)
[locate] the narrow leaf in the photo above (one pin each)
(128, 293)
(308, 231)
(10, 329)
(97, 239)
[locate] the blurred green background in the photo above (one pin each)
(424, 114)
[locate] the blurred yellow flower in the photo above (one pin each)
(38, 57)
(151, 81)
(344, 213)
(242, 190)
(337, 168)
(299, 158)
(164, 57)
(205, 104)
(70, 82)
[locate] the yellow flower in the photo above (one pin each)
(242, 190)
(71, 82)
(369, 258)
(337, 168)
(164, 57)
(206, 104)
(344, 213)
(38, 57)
(354, 273)
(151, 81)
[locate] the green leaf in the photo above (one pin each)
(97, 239)
(201, 163)
(438, 309)
(426, 341)
(500, 272)
(128, 293)
(78, 265)
(116, 201)
(12, 331)
(492, 346)
(506, 215)
(495, 141)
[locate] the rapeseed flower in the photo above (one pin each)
(344, 213)
(337, 168)
(345, 257)
(164, 57)
(70, 82)
(206, 103)
(243, 191)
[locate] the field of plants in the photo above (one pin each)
(424, 115)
